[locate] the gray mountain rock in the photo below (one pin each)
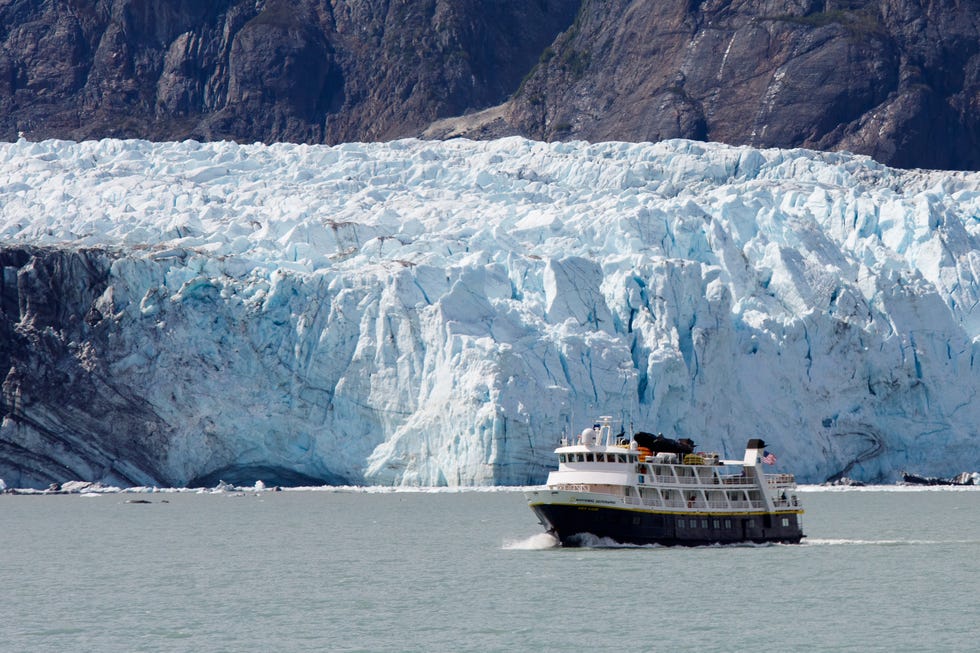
(308, 71)
(895, 79)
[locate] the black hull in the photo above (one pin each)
(580, 525)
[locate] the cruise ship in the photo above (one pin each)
(655, 490)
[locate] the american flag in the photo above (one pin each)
(768, 458)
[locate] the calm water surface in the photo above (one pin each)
(416, 571)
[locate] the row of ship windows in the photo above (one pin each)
(693, 523)
(596, 458)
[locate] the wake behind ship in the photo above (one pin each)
(659, 491)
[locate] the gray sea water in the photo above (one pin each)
(468, 571)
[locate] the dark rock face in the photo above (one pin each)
(307, 71)
(98, 385)
(63, 417)
(895, 79)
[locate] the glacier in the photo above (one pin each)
(440, 313)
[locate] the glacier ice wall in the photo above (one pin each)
(439, 313)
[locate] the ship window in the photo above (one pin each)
(561, 458)
(704, 523)
(751, 523)
(717, 524)
(620, 458)
(589, 458)
(694, 523)
(785, 521)
(680, 523)
(728, 523)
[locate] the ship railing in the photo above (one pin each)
(661, 479)
(780, 480)
(697, 480)
(748, 505)
(686, 480)
(730, 505)
(737, 479)
(791, 502)
(698, 504)
(573, 487)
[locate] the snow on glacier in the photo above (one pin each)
(438, 313)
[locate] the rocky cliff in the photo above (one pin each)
(68, 417)
(896, 79)
(255, 70)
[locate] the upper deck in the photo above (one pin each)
(696, 481)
